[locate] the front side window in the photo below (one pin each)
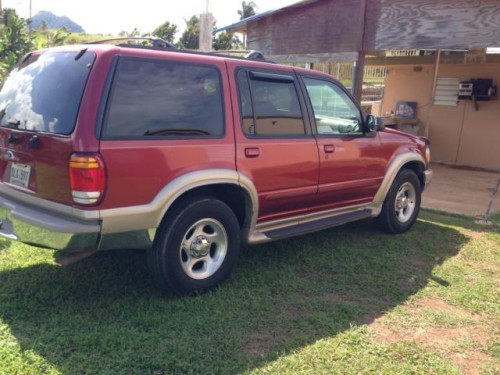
(270, 105)
(43, 93)
(164, 98)
(334, 111)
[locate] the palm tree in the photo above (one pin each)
(247, 9)
(190, 38)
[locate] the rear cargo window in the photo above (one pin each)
(152, 99)
(43, 93)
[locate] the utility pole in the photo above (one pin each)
(30, 19)
(206, 27)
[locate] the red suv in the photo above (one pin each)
(187, 155)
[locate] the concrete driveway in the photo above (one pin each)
(462, 191)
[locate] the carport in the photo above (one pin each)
(446, 43)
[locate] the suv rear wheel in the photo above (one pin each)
(401, 206)
(196, 247)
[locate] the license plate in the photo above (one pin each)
(20, 174)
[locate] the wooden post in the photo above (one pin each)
(359, 67)
(433, 91)
(359, 72)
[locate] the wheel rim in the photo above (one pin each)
(405, 202)
(203, 248)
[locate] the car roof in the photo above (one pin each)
(251, 58)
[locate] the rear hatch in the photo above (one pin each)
(39, 104)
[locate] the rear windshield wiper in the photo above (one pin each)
(170, 131)
(80, 54)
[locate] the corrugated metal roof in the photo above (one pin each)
(241, 26)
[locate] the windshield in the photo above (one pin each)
(43, 93)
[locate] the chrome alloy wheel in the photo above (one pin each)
(405, 202)
(203, 248)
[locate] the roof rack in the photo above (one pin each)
(155, 42)
(248, 54)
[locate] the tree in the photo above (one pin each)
(59, 37)
(225, 41)
(46, 37)
(247, 9)
(15, 40)
(166, 31)
(80, 38)
(190, 38)
(135, 33)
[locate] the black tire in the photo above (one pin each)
(196, 247)
(402, 203)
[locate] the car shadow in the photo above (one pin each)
(104, 312)
(5, 244)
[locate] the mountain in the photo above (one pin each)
(55, 22)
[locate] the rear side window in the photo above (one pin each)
(44, 92)
(269, 105)
(164, 98)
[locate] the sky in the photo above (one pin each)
(114, 16)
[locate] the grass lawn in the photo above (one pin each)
(350, 300)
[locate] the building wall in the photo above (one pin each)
(308, 29)
(459, 135)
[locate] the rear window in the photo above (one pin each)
(43, 93)
(151, 99)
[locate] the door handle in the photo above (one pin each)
(252, 152)
(329, 149)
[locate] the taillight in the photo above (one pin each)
(87, 178)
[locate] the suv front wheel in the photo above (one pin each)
(401, 206)
(196, 247)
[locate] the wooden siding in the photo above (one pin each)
(314, 28)
(373, 14)
(421, 24)
(327, 29)
(323, 28)
(314, 57)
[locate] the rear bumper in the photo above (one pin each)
(46, 224)
(41, 227)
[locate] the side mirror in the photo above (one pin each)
(375, 123)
